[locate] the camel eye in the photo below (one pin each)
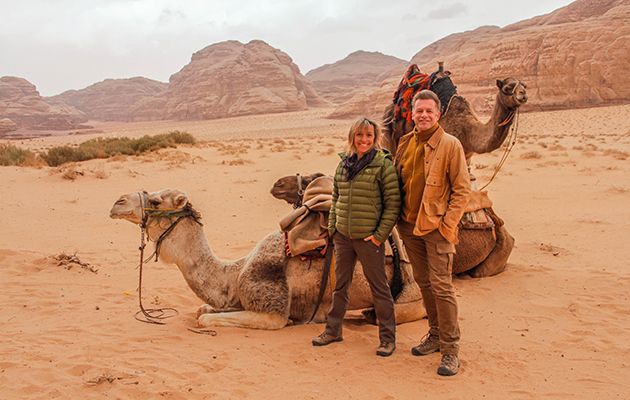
(154, 202)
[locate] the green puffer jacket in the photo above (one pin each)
(367, 205)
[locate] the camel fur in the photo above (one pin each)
(263, 290)
(460, 120)
(479, 253)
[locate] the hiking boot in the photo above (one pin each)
(325, 339)
(449, 365)
(385, 349)
(429, 344)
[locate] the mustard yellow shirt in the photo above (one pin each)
(412, 174)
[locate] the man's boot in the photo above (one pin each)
(449, 365)
(429, 344)
(325, 339)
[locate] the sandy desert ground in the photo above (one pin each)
(555, 324)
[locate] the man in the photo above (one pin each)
(435, 189)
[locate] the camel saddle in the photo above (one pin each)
(479, 214)
(306, 227)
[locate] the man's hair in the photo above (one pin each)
(359, 125)
(427, 95)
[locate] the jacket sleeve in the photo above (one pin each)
(332, 216)
(460, 188)
(391, 201)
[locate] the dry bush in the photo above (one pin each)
(237, 161)
(13, 155)
(109, 147)
(617, 154)
(531, 155)
(100, 172)
(69, 261)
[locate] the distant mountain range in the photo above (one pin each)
(576, 56)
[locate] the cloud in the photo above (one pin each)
(448, 11)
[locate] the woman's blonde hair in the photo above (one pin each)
(359, 125)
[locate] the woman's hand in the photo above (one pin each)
(372, 239)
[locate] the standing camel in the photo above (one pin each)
(460, 120)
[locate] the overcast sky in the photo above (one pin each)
(70, 44)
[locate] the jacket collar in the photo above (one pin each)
(436, 137)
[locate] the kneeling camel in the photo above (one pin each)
(263, 290)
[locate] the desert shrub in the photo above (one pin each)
(13, 155)
(111, 147)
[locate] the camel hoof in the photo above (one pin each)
(205, 309)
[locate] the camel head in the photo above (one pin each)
(289, 189)
(132, 206)
(512, 92)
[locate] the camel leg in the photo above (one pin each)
(405, 312)
(496, 261)
(243, 319)
(208, 309)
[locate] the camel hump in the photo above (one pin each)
(458, 106)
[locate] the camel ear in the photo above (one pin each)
(499, 83)
(181, 200)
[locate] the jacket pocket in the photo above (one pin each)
(437, 208)
(434, 185)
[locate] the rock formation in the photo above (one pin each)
(231, 78)
(21, 103)
(130, 99)
(6, 125)
(576, 56)
(339, 81)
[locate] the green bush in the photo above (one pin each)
(13, 155)
(109, 147)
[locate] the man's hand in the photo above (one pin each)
(372, 239)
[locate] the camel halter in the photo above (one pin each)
(300, 191)
(155, 315)
(511, 117)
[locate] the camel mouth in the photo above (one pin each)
(118, 215)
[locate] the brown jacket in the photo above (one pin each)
(447, 186)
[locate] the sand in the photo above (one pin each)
(555, 324)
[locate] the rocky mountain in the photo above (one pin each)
(231, 78)
(576, 56)
(359, 71)
(130, 99)
(21, 103)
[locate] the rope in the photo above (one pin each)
(151, 315)
(508, 148)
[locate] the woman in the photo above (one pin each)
(365, 207)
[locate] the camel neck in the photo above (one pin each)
(208, 276)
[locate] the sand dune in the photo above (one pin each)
(556, 324)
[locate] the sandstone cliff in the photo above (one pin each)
(576, 56)
(21, 103)
(231, 78)
(359, 71)
(130, 99)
